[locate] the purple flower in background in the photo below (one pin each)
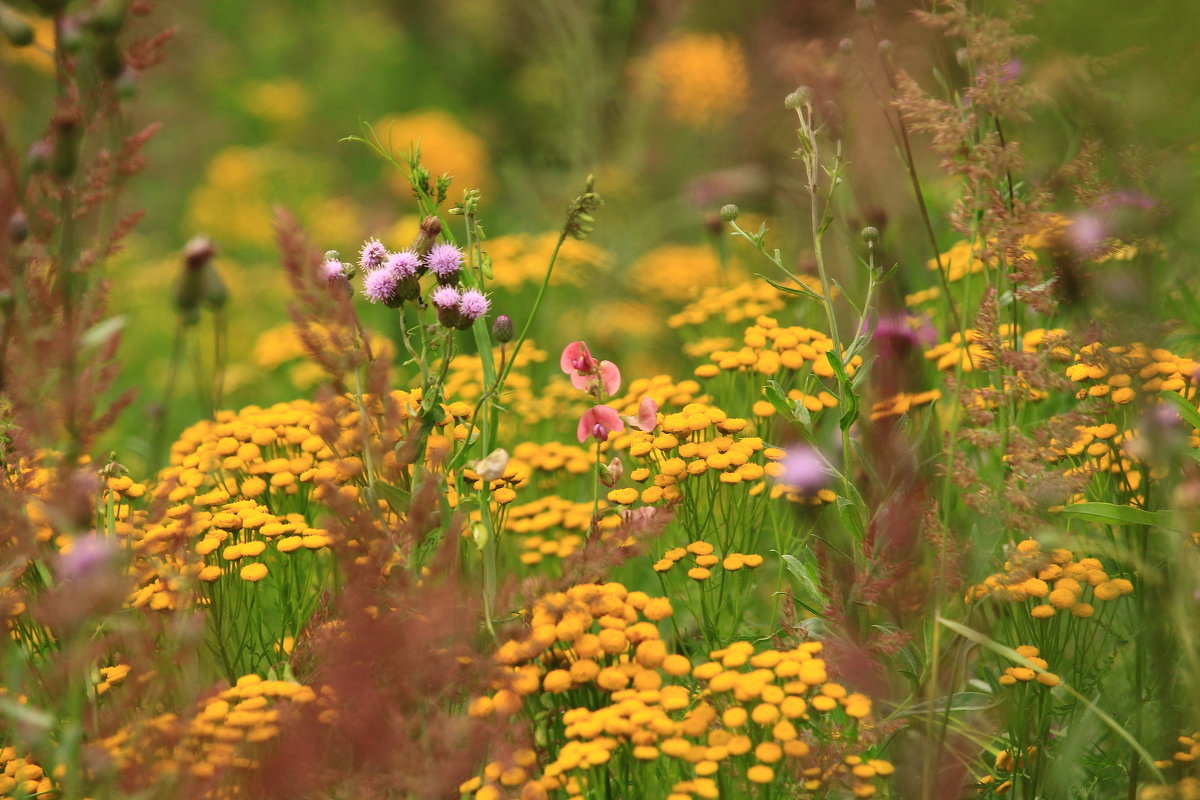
(332, 268)
(379, 286)
(473, 304)
(89, 555)
(1087, 234)
(445, 262)
(405, 264)
(804, 470)
(373, 255)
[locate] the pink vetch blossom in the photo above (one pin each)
(599, 422)
(587, 373)
(647, 416)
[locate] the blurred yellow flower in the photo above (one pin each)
(703, 76)
(677, 272)
(447, 146)
(280, 101)
(522, 258)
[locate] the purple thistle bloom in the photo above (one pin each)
(445, 261)
(380, 286)
(332, 269)
(405, 263)
(89, 555)
(473, 304)
(804, 470)
(445, 297)
(447, 300)
(373, 255)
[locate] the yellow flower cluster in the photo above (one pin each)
(1104, 450)
(734, 304)
(220, 736)
(1051, 582)
(903, 403)
(951, 353)
(664, 390)
(446, 146)
(234, 539)
(112, 676)
(256, 452)
(1188, 752)
(21, 776)
(1121, 372)
(961, 260)
(464, 381)
(545, 460)
(1184, 789)
(703, 77)
(279, 101)
(1022, 674)
(591, 634)
(521, 258)
(768, 349)
(554, 527)
(685, 445)
(677, 272)
(704, 558)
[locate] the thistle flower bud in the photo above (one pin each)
(730, 212)
(126, 83)
(108, 16)
(885, 47)
(430, 228)
(192, 287)
(798, 99)
(64, 155)
(502, 329)
(846, 46)
(14, 27)
(870, 234)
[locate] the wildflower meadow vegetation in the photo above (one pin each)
(599, 400)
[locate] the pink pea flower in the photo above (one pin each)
(647, 416)
(586, 372)
(600, 422)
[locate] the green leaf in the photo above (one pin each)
(1112, 514)
(777, 399)
(799, 289)
(848, 397)
(804, 572)
(959, 701)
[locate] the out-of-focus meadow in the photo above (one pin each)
(599, 399)
(675, 107)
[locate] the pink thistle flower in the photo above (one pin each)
(379, 286)
(474, 304)
(599, 422)
(587, 373)
(405, 263)
(373, 255)
(445, 262)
